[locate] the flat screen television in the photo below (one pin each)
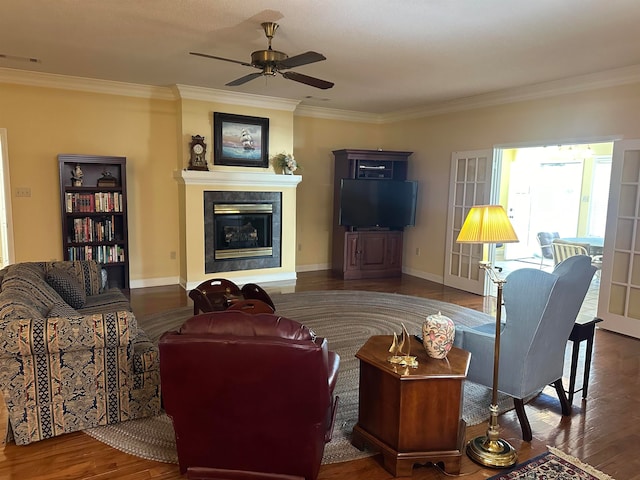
(378, 203)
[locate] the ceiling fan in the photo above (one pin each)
(272, 61)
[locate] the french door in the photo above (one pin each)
(471, 179)
(619, 297)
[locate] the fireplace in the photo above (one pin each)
(242, 230)
(200, 190)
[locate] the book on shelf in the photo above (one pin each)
(87, 229)
(103, 254)
(98, 202)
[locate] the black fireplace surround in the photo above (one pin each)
(242, 230)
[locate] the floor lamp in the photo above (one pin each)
(487, 224)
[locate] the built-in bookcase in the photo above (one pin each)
(93, 200)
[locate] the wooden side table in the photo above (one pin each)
(411, 415)
(583, 330)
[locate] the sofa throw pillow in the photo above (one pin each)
(67, 286)
(87, 273)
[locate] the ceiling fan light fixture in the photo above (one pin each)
(271, 62)
(267, 57)
(269, 70)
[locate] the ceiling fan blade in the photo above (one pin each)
(243, 80)
(307, 80)
(221, 58)
(302, 59)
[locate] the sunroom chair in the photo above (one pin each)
(250, 396)
(563, 250)
(544, 240)
(541, 309)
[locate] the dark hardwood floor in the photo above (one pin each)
(602, 431)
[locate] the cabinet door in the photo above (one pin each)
(374, 251)
(352, 253)
(394, 250)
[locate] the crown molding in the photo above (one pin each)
(582, 83)
(335, 114)
(234, 98)
(92, 85)
(566, 86)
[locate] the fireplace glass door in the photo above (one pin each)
(242, 230)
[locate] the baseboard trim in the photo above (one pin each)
(154, 282)
(313, 268)
(287, 279)
(424, 275)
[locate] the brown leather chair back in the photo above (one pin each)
(248, 393)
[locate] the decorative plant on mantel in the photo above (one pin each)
(286, 163)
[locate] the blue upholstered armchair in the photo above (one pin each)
(541, 309)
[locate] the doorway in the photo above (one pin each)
(6, 233)
(561, 189)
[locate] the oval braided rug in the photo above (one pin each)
(347, 319)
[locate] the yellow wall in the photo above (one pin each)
(314, 141)
(154, 134)
(44, 122)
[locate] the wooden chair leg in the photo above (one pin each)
(564, 402)
(524, 421)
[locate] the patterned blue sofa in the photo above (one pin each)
(64, 369)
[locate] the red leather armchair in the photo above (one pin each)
(250, 395)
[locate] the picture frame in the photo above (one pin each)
(240, 140)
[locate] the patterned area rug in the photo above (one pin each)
(553, 465)
(347, 319)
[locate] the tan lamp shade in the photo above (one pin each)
(487, 224)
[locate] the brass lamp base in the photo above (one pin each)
(492, 453)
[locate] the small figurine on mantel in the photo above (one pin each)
(107, 179)
(76, 176)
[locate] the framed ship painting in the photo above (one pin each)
(240, 140)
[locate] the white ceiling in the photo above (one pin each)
(383, 55)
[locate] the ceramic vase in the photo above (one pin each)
(438, 333)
